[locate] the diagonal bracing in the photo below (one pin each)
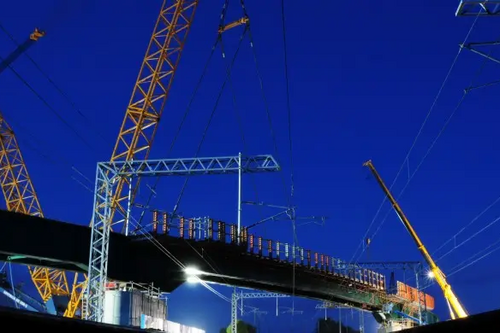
(110, 175)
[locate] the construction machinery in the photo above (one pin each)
(144, 111)
(19, 192)
(456, 308)
(21, 48)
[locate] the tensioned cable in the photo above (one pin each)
(468, 225)
(443, 128)
(183, 120)
(465, 264)
(290, 146)
(405, 160)
(186, 180)
(44, 101)
(57, 87)
(48, 157)
(240, 123)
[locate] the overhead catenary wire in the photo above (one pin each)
(415, 140)
(467, 262)
(290, 144)
(209, 122)
(60, 160)
(476, 218)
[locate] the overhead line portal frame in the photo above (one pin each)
(110, 174)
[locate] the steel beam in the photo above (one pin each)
(240, 296)
(110, 174)
(391, 265)
(478, 7)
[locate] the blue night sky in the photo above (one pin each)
(363, 76)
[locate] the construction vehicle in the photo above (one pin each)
(454, 305)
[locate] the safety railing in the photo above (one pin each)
(207, 229)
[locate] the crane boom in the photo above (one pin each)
(20, 196)
(151, 89)
(456, 308)
(146, 104)
(21, 48)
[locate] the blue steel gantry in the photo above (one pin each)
(478, 8)
(109, 174)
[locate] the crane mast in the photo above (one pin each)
(20, 196)
(456, 309)
(151, 91)
(146, 106)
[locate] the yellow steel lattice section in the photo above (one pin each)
(20, 196)
(147, 101)
(151, 88)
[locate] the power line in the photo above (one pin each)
(290, 145)
(406, 159)
(56, 87)
(44, 101)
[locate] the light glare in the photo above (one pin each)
(193, 279)
(192, 271)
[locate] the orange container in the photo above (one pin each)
(411, 294)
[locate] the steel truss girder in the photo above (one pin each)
(393, 266)
(109, 176)
(478, 7)
(191, 166)
(473, 48)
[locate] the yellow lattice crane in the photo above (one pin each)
(456, 308)
(18, 190)
(146, 104)
(20, 196)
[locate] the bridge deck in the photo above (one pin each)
(36, 241)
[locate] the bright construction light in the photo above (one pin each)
(191, 271)
(430, 275)
(193, 279)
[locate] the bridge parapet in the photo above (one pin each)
(208, 229)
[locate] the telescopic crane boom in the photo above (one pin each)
(456, 309)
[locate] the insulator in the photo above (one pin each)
(308, 252)
(270, 248)
(286, 251)
(322, 261)
(260, 245)
(278, 250)
(316, 259)
(327, 268)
